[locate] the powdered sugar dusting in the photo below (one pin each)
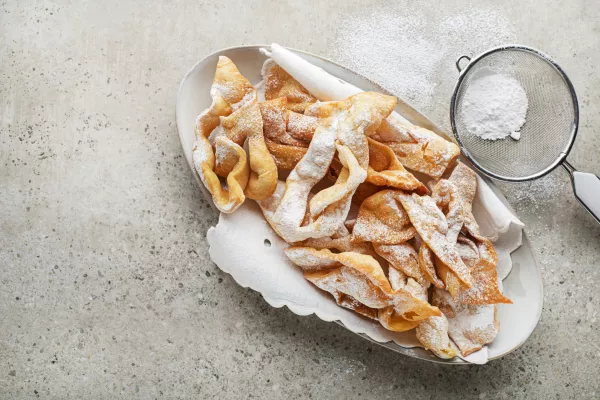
(409, 50)
(301, 126)
(494, 106)
(433, 334)
(470, 327)
(311, 169)
(221, 154)
(228, 90)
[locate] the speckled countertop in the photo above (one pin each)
(106, 287)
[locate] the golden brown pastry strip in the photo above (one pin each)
(342, 244)
(403, 257)
(407, 311)
(229, 91)
(344, 123)
(278, 83)
(381, 219)
(300, 126)
(485, 290)
(350, 177)
(231, 85)
(417, 148)
(286, 157)
(361, 277)
(470, 326)
(354, 274)
(263, 170)
(227, 156)
(246, 124)
(433, 335)
(386, 170)
(455, 196)
(227, 199)
(432, 226)
(390, 320)
(275, 122)
(427, 266)
(209, 119)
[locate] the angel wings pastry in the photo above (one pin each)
(221, 131)
(376, 212)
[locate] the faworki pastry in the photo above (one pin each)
(342, 183)
(233, 119)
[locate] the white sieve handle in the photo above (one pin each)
(587, 189)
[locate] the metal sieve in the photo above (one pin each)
(548, 133)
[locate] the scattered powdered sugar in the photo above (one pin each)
(433, 333)
(494, 106)
(470, 327)
(404, 257)
(287, 218)
(221, 154)
(385, 48)
(216, 133)
(301, 126)
(411, 51)
(228, 90)
(200, 155)
(274, 120)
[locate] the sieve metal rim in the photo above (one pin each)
(463, 72)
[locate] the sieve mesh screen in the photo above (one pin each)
(551, 121)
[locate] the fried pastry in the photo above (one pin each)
(386, 170)
(468, 251)
(226, 199)
(485, 289)
(447, 197)
(399, 280)
(403, 257)
(287, 134)
(382, 219)
(406, 311)
(231, 85)
(209, 119)
(230, 90)
(350, 177)
(431, 224)
(279, 83)
(470, 326)
(341, 244)
(417, 148)
(361, 277)
(353, 274)
(286, 209)
(427, 266)
(275, 121)
(396, 318)
(227, 156)
(300, 126)
(390, 320)
(245, 124)
(286, 157)
(454, 197)
(363, 191)
(339, 122)
(432, 333)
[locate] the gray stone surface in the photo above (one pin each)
(106, 287)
